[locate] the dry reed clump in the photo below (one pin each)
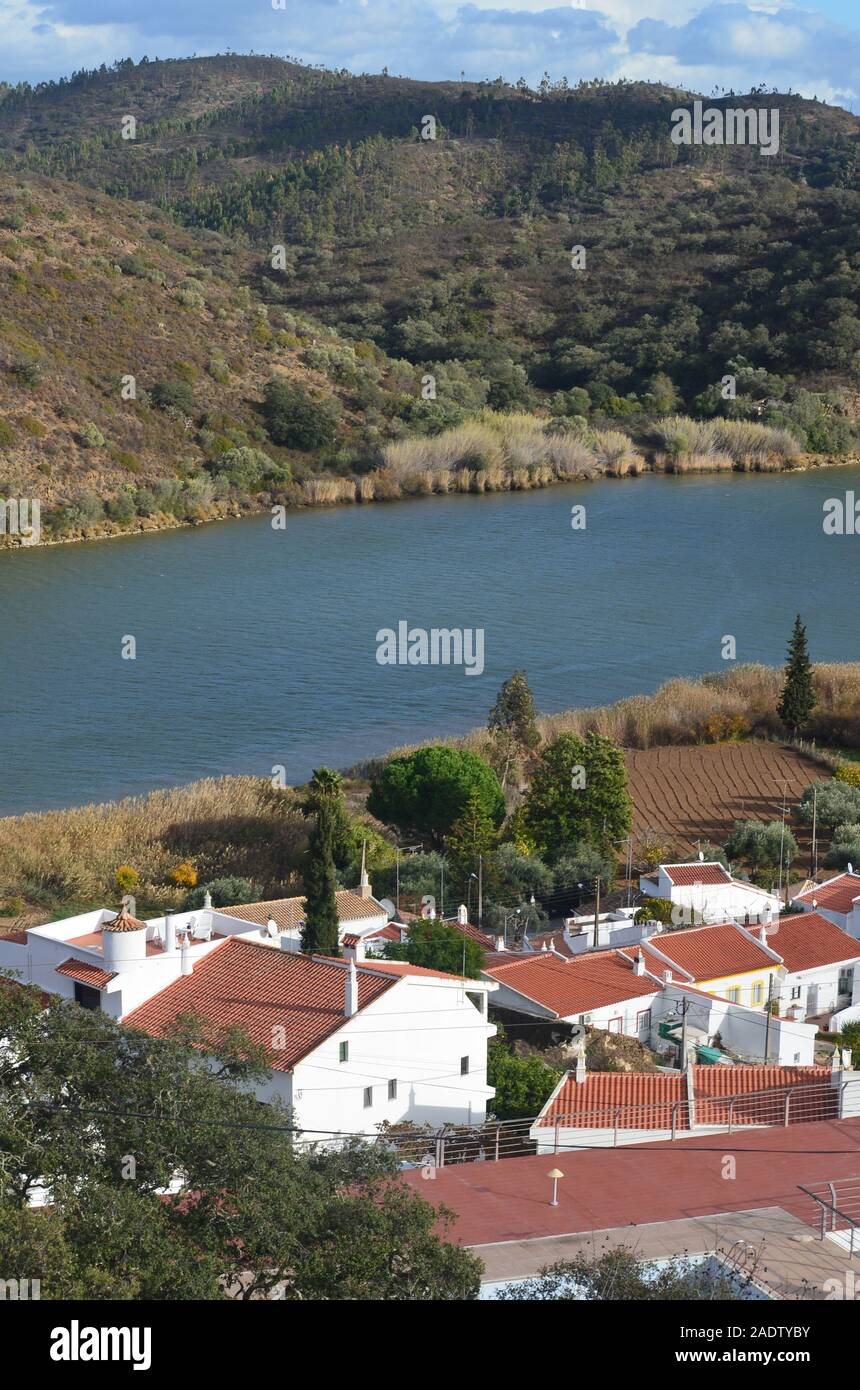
(699, 463)
(699, 445)
(226, 825)
(328, 491)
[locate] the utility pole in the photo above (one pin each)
(781, 843)
(685, 1004)
(814, 850)
(480, 890)
(769, 1016)
(442, 891)
(597, 912)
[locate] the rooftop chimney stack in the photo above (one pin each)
(580, 1067)
(185, 965)
(350, 1000)
(462, 914)
(207, 900)
(639, 967)
(169, 935)
(352, 948)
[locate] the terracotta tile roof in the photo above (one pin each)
(707, 953)
(289, 912)
(806, 939)
(685, 875)
(15, 938)
(575, 986)
(253, 987)
(554, 941)
(646, 1098)
(123, 921)
(86, 972)
(389, 933)
(402, 967)
(488, 943)
(837, 894)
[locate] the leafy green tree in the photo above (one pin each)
(830, 803)
(523, 1084)
(798, 695)
(320, 927)
(472, 833)
(293, 419)
(655, 910)
(578, 792)
(437, 945)
(761, 844)
(512, 723)
(224, 892)
(426, 792)
(106, 1117)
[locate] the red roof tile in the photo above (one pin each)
(836, 894)
(572, 986)
(644, 1100)
(86, 972)
(488, 943)
(687, 875)
(257, 988)
(806, 939)
(707, 953)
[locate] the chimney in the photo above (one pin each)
(639, 966)
(500, 943)
(462, 914)
(580, 1066)
(207, 900)
(185, 965)
(364, 888)
(352, 948)
(169, 935)
(350, 993)
(667, 977)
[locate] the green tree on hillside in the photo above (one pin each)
(474, 832)
(798, 695)
(293, 419)
(425, 793)
(578, 793)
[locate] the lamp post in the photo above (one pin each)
(555, 1174)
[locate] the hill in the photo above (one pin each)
(404, 260)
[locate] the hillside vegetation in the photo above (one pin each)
(273, 221)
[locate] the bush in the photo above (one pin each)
(294, 420)
(247, 469)
(838, 803)
(184, 874)
(848, 772)
(226, 892)
(173, 395)
(127, 878)
(28, 370)
(92, 437)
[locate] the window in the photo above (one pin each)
(758, 992)
(343, 1052)
(733, 995)
(392, 1090)
(643, 1021)
(615, 1025)
(368, 1097)
(87, 997)
(796, 992)
(464, 1066)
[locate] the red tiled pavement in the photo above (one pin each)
(606, 1188)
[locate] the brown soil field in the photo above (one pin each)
(697, 793)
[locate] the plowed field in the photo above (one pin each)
(697, 793)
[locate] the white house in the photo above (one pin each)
(706, 892)
(819, 964)
(603, 989)
(353, 1042)
(837, 899)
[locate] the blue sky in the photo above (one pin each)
(813, 48)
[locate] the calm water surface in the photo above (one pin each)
(257, 647)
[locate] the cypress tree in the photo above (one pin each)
(320, 930)
(798, 697)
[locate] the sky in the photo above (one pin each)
(811, 48)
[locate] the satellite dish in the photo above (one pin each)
(388, 905)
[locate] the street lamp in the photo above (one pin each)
(555, 1174)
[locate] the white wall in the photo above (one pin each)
(416, 1034)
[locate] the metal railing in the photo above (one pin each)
(838, 1202)
(614, 1126)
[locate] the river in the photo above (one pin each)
(257, 648)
